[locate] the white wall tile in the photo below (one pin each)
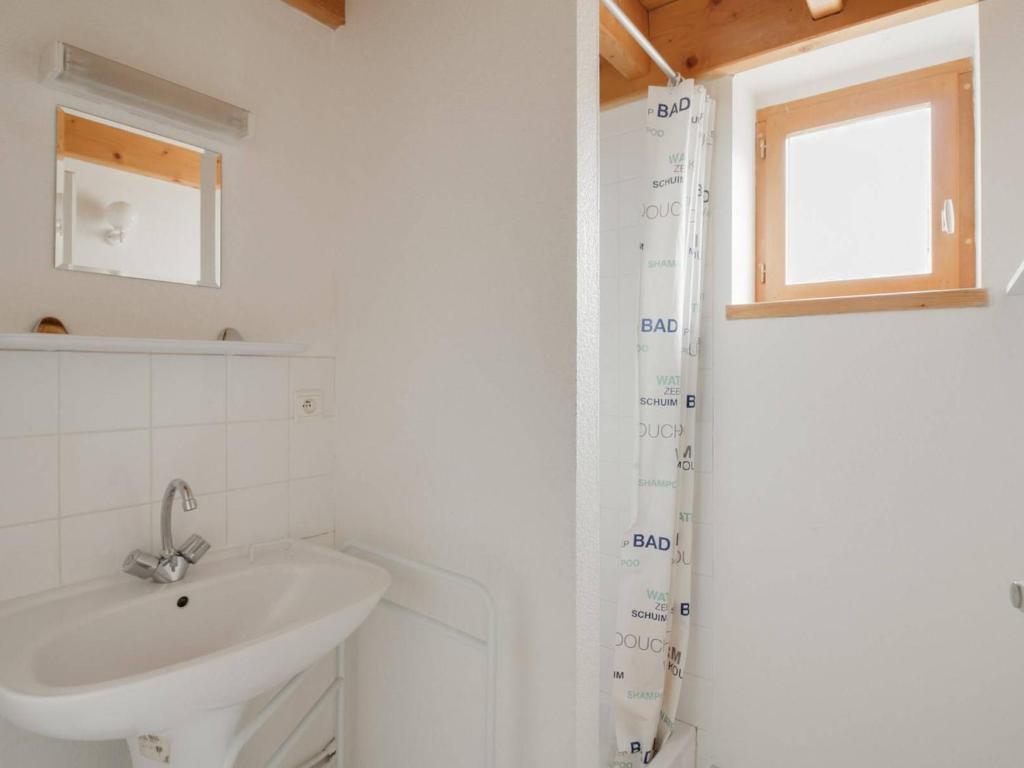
(632, 197)
(188, 389)
(314, 373)
(610, 320)
(629, 310)
(695, 701)
(28, 479)
(104, 470)
(28, 393)
(609, 160)
(257, 453)
(623, 119)
(258, 514)
(610, 440)
(631, 154)
(702, 601)
(28, 559)
(705, 453)
(100, 392)
(209, 520)
(99, 541)
(607, 664)
(610, 575)
(704, 749)
(609, 214)
(700, 655)
(606, 731)
(702, 549)
(323, 539)
(607, 622)
(257, 388)
(629, 307)
(195, 454)
(628, 427)
(609, 394)
(312, 447)
(703, 507)
(615, 485)
(705, 403)
(609, 251)
(311, 501)
(630, 258)
(704, 360)
(611, 532)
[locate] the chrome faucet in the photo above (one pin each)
(172, 563)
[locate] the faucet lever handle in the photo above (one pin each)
(141, 564)
(194, 548)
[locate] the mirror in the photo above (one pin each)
(135, 204)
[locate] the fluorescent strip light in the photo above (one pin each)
(76, 70)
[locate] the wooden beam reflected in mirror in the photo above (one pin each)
(103, 144)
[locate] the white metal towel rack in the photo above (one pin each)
(336, 689)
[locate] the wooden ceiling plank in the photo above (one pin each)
(618, 47)
(821, 8)
(703, 39)
(328, 12)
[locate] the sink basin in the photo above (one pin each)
(173, 665)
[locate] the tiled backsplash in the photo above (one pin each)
(89, 441)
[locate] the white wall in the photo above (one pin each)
(866, 508)
(457, 333)
(279, 217)
(622, 200)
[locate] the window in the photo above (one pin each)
(868, 190)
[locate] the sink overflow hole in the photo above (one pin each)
(182, 601)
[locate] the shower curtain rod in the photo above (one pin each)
(674, 77)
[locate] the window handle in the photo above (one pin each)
(948, 217)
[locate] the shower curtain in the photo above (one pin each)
(653, 609)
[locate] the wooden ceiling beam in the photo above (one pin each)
(618, 48)
(329, 12)
(821, 8)
(702, 38)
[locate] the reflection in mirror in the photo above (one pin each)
(135, 204)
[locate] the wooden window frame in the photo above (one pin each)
(948, 89)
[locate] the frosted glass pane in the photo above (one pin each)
(859, 199)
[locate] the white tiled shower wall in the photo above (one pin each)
(89, 441)
(622, 197)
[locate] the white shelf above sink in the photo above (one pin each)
(54, 342)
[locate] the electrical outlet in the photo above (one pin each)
(309, 404)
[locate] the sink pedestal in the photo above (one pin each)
(201, 743)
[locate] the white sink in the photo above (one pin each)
(117, 658)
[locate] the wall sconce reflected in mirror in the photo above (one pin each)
(121, 216)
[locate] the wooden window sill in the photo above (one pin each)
(841, 305)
